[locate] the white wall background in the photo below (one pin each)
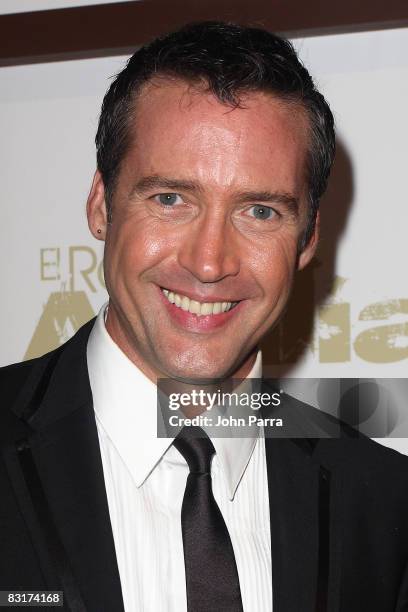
(48, 118)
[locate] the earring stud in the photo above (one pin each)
(99, 231)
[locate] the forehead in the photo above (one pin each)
(182, 127)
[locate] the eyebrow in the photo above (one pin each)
(162, 182)
(155, 181)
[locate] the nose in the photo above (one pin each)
(210, 251)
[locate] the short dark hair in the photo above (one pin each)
(231, 60)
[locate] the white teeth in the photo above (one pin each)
(185, 303)
(217, 307)
(206, 308)
(195, 307)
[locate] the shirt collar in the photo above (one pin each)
(125, 405)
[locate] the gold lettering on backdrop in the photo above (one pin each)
(334, 333)
(334, 327)
(329, 339)
(85, 272)
(332, 338)
(64, 313)
(49, 264)
(385, 343)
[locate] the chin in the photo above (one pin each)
(197, 371)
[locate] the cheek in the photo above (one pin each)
(275, 263)
(135, 246)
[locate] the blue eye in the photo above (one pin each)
(168, 199)
(262, 212)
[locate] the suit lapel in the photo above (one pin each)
(305, 500)
(62, 452)
(293, 482)
(307, 490)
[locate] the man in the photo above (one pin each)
(213, 149)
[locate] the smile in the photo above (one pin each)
(200, 309)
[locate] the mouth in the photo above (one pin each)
(200, 309)
(199, 316)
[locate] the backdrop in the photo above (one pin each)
(349, 312)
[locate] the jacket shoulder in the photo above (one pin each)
(24, 384)
(337, 443)
(16, 380)
(366, 453)
(14, 377)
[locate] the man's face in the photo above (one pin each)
(208, 210)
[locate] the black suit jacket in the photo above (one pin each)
(338, 507)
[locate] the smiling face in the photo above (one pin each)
(208, 209)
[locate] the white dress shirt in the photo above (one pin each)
(145, 478)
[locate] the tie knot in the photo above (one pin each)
(196, 448)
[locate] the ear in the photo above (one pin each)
(308, 252)
(96, 208)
